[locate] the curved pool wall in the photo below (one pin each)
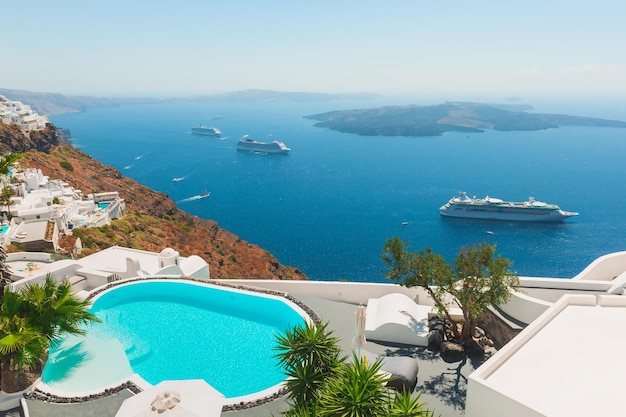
(250, 308)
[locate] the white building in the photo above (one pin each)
(568, 362)
(98, 269)
(14, 112)
(39, 200)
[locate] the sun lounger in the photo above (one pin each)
(396, 318)
(403, 370)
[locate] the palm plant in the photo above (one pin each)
(357, 390)
(21, 346)
(309, 354)
(54, 310)
(322, 384)
(405, 405)
(7, 160)
(5, 273)
(33, 318)
(6, 200)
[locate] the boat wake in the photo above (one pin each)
(194, 198)
(178, 179)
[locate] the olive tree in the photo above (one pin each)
(477, 279)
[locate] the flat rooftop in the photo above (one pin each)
(569, 362)
(114, 258)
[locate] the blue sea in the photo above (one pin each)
(329, 206)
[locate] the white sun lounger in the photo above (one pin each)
(396, 318)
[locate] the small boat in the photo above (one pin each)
(246, 144)
(205, 194)
(495, 209)
(405, 223)
(206, 131)
(177, 179)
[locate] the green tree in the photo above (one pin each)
(5, 163)
(479, 279)
(33, 318)
(7, 160)
(5, 198)
(5, 272)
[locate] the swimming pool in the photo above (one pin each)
(171, 329)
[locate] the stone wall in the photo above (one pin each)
(499, 329)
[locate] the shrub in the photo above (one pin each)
(66, 165)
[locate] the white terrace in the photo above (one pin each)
(566, 362)
(15, 112)
(40, 202)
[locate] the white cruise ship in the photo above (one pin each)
(206, 131)
(246, 144)
(495, 209)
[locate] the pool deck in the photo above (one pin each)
(443, 385)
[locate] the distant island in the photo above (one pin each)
(436, 120)
(55, 103)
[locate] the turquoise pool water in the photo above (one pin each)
(165, 330)
(3, 230)
(103, 205)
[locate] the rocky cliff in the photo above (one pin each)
(153, 221)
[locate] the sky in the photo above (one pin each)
(439, 48)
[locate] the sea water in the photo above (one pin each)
(330, 205)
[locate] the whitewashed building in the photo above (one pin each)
(17, 113)
(42, 209)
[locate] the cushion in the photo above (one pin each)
(403, 370)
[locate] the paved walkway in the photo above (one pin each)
(443, 385)
(14, 412)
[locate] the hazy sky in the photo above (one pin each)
(436, 47)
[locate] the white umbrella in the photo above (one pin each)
(359, 337)
(78, 247)
(193, 397)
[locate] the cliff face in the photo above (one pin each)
(12, 139)
(153, 221)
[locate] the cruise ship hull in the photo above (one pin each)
(495, 209)
(248, 145)
(496, 214)
(206, 131)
